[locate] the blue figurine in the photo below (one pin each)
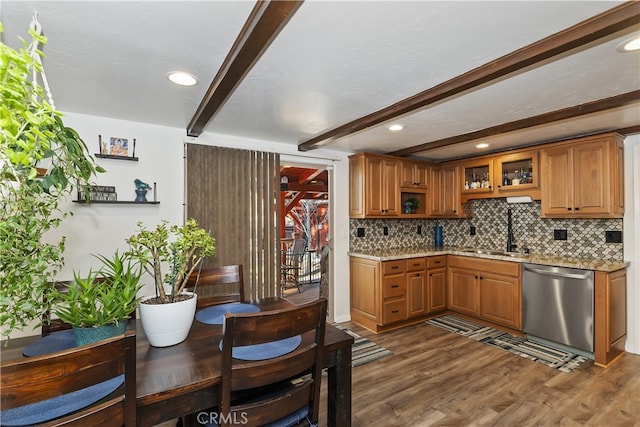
(141, 190)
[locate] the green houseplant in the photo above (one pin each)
(41, 160)
(411, 205)
(99, 304)
(167, 316)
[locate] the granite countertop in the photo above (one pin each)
(560, 261)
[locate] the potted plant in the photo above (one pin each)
(98, 305)
(167, 316)
(411, 205)
(40, 161)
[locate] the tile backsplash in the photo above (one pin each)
(585, 237)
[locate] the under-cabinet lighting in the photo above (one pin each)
(482, 145)
(181, 78)
(629, 45)
(395, 127)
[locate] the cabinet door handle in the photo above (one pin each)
(395, 286)
(568, 209)
(430, 274)
(489, 187)
(416, 265)
(481, 277)
(475, 277)
(499, 186)
(395, 311)
(417, 274)
(395, 267)
(577, 209)
(436, 262)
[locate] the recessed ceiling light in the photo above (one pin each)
(396, 127)
(629, 45)
(181, 78)
(482, 145)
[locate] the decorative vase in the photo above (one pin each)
(141, 195)
(167, 324)
(86, 336)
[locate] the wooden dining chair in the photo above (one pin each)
(217, 285)
(259, 389)
(84, 386)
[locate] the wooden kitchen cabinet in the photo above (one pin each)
(486, 289)
(374, 189)
(445, 192)
(389, 294)
(436, 284)
(417, 297)
(513, 174)
(610, 316)
(583, 178)
(413, 175)
(501, 299)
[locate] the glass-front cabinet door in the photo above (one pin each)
(478, 177)
(517, 173)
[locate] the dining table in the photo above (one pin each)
(183, 379)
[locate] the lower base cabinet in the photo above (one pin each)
(387, 293)
(610, 316)
(486, 289)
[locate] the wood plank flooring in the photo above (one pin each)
(438, 378)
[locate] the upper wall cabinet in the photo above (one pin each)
(583, 178)
(413, 175)
(444, 197)
(513, 174)
(374, 189)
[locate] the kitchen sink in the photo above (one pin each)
(491, 252)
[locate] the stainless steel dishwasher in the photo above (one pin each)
(557, 305)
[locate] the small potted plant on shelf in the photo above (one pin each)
(167, 316)
(411, 205)
(98, 305)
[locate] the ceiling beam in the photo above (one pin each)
(553, 116)
(609, 22)
(263, 25)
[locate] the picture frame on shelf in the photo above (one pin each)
(119, 147)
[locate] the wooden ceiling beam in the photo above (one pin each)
(263, 25)
(624, 16)
(553, 116)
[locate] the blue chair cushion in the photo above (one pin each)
(59, 406)
(55, 342)
(214, 315)
(265, 351)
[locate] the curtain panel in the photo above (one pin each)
(235, 194)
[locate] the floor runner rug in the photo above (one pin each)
(549, 356)
(364, 351)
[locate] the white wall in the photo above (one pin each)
(631, 236)
(103, 228)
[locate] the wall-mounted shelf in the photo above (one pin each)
(108, 156)
(115, 202)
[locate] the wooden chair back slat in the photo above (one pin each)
(218, 285)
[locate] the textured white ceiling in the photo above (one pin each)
(332, 63)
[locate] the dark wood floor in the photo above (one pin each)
(438, 378)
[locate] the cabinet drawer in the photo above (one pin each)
(394, 311)
(394, 286)
(416, 264)
(437, 261)
(394, 267)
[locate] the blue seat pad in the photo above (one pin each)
(56, 407)
(214, 315)
(53, 343)
(267, 350)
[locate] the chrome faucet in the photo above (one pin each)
(511, 241)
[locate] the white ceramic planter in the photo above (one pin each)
(167, 324)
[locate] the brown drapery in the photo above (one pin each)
(235, 194)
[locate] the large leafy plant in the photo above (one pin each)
(103, 297)
(40, 161)
(180, 247)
